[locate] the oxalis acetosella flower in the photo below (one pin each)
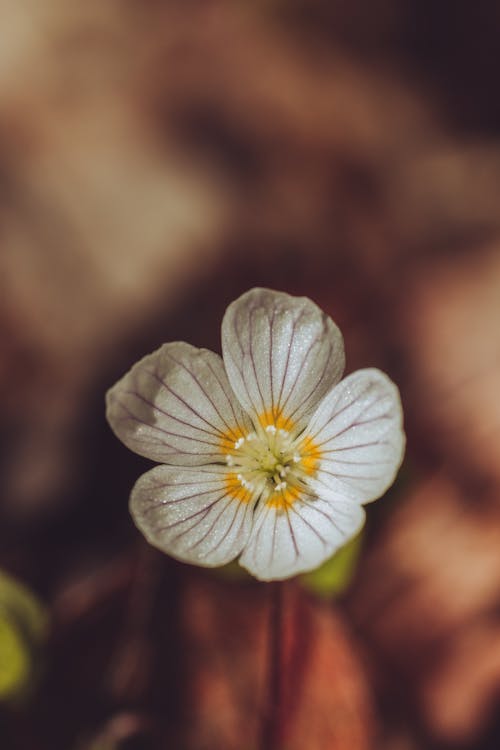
(266, 454)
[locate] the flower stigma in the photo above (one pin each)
(270, 465)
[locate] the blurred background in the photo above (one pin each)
(158, 158)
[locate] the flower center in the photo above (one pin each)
(270, 464)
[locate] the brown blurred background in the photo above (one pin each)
(157, 159)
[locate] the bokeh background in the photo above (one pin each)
(158, 158)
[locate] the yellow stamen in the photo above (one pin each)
(283, 498)
(235, 488)
(310, 455)
(229, 439)
(274, 418)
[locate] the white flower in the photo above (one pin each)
(265, 454)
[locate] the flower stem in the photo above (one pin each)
(272, 721)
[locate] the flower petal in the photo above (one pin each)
(282, 354)
(176, 406)
(358, 436)
(191, 515)
(297, 538)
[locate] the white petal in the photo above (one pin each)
(282, 354)
(176, 406)
(358, 436)
(289, 541)
(190, 515)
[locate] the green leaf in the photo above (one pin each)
(335, 575)
(23, 629)
(14, 659)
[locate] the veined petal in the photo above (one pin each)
(296, 538)
(192, 514)
(282, 354)
(358, 436)
(176, 406)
